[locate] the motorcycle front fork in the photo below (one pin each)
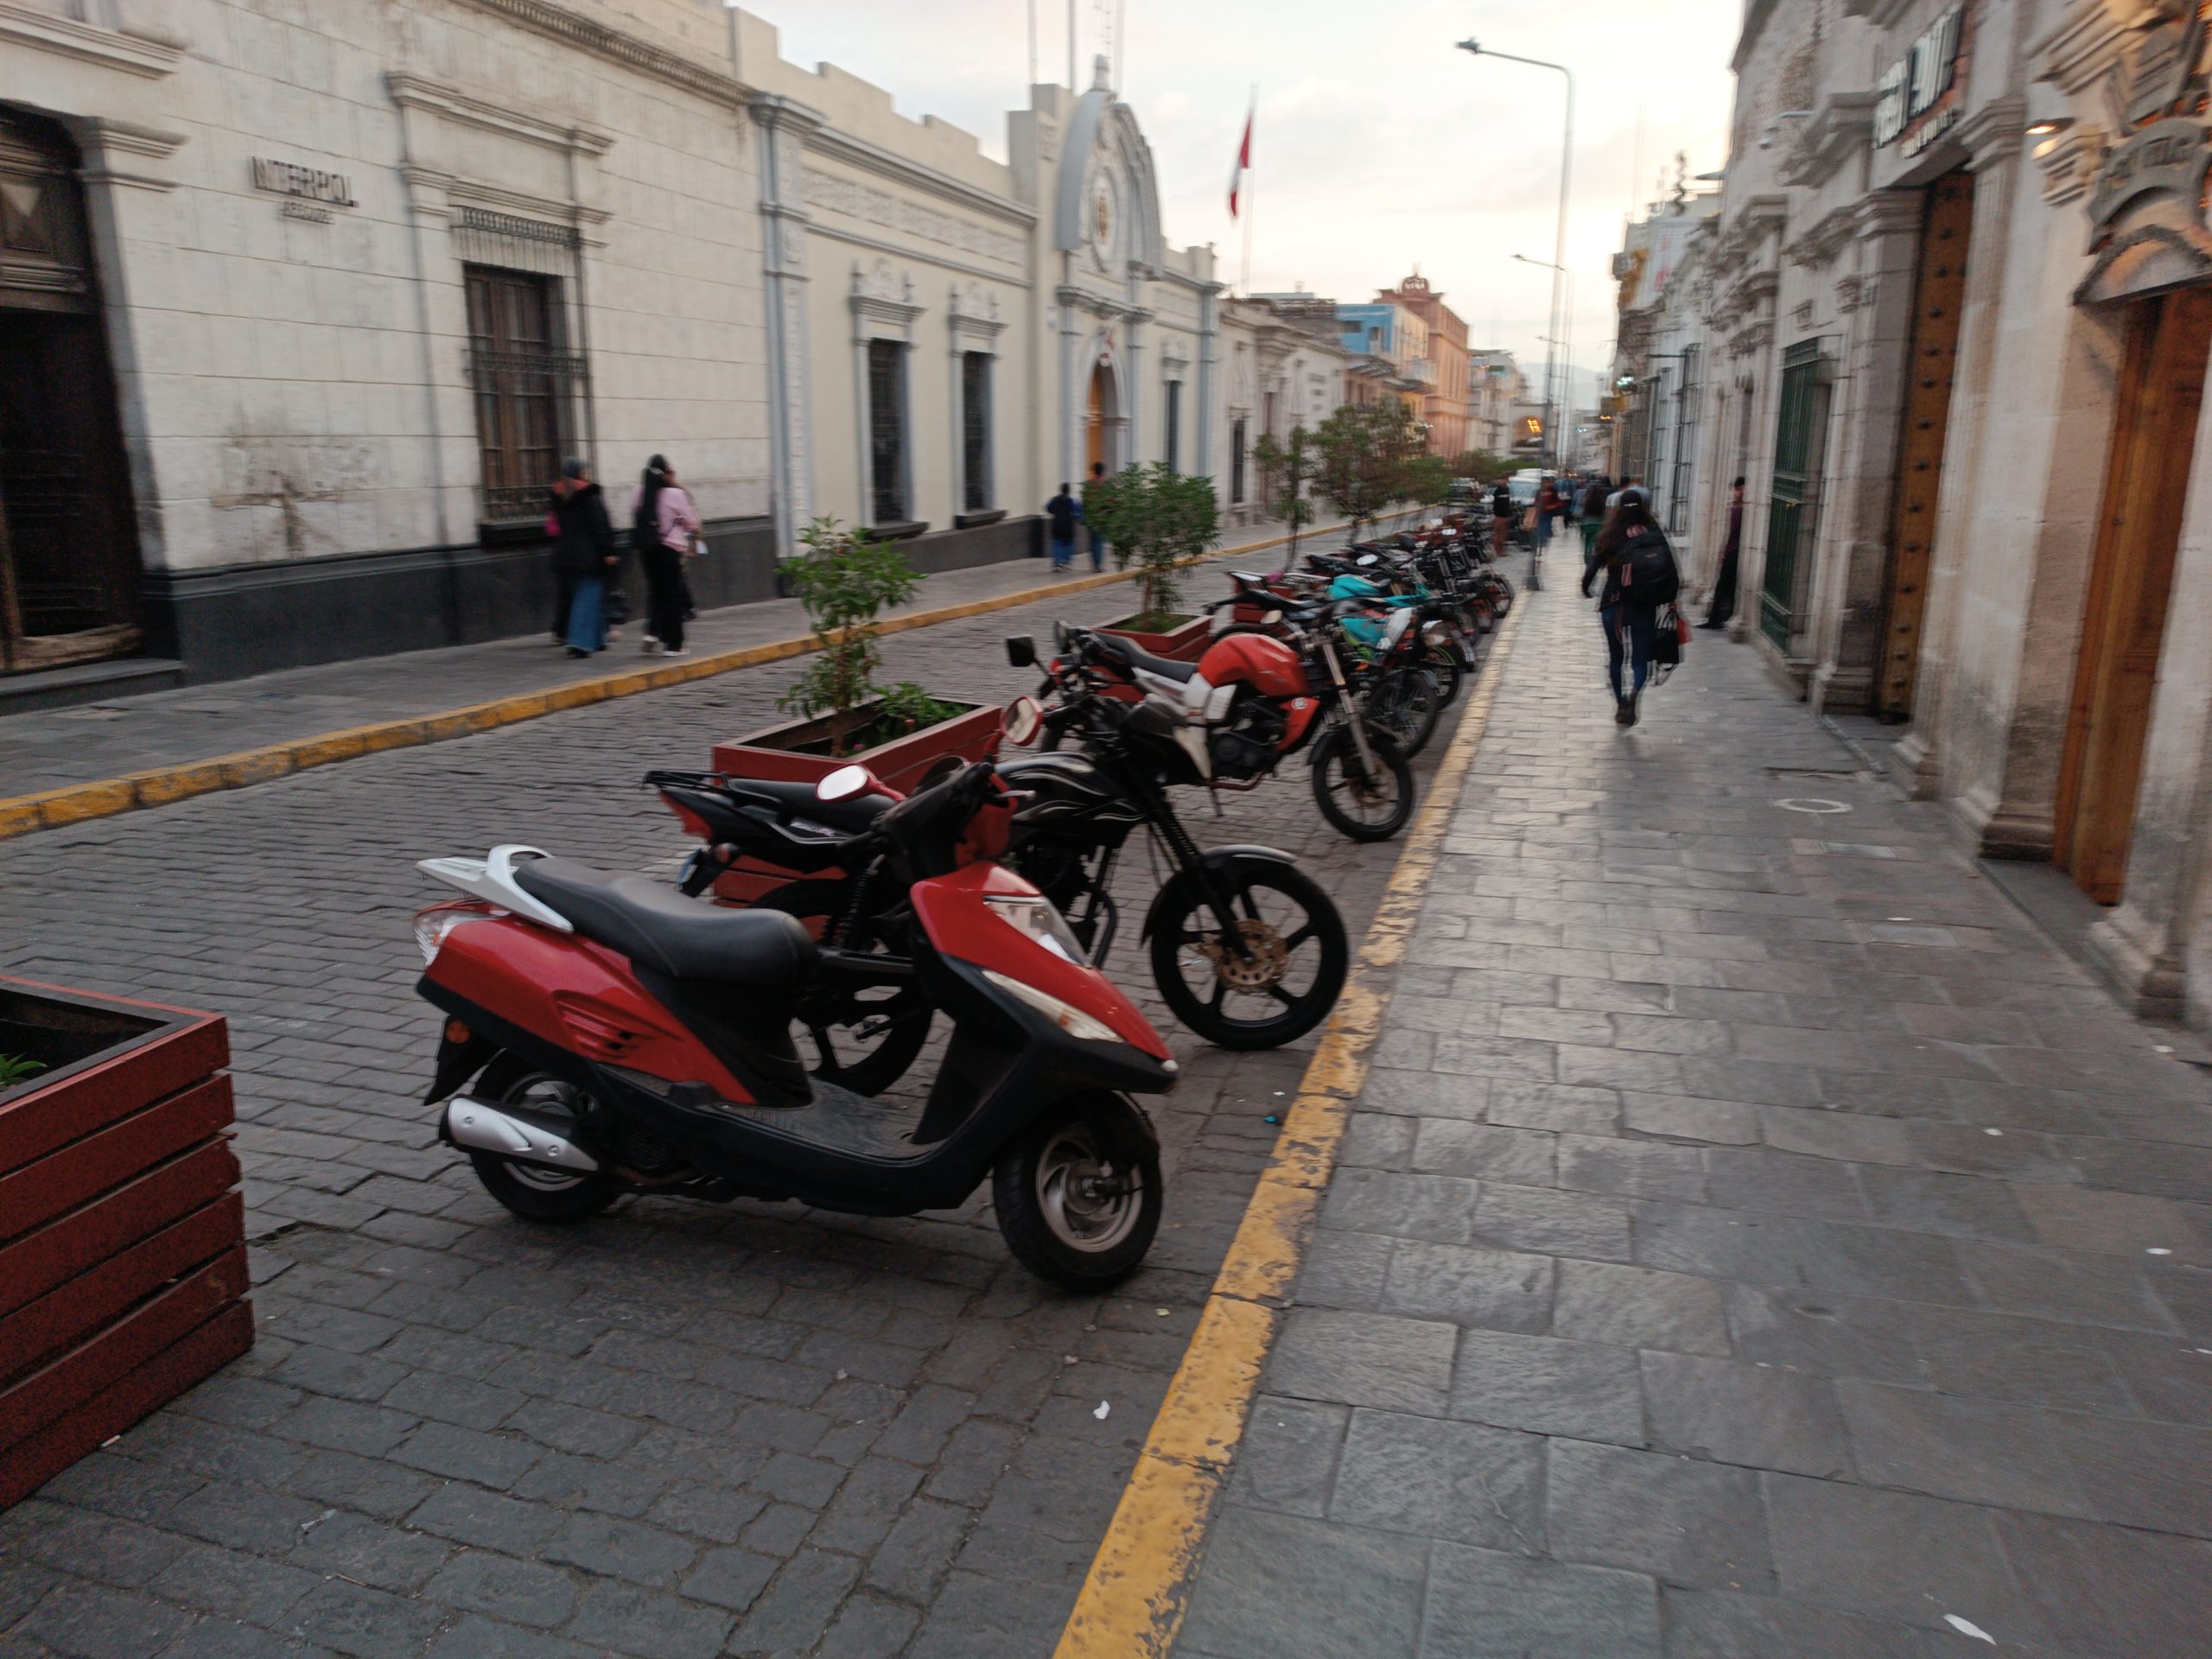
(1351, 710)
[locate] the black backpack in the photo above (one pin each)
(1648, 573)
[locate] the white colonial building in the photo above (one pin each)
(302, 308)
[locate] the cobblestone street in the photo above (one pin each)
(1755, 1240)
(679, 1431)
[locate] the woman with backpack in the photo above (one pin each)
(584, 553)
(665, 529)
(1640, 576)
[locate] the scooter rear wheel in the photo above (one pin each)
(539, 1191)
(864, 1037)
(1078, 1196)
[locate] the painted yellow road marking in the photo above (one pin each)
(20, 815)
(1139, 1584)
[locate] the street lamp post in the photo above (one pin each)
(1562, 337)
(1558, 244)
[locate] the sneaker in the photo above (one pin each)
(578, 650)
(614, 633)
(651, 646)
(675, 650)
(1628, 709)
(1621, 715)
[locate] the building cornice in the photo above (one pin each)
(132, 51)
(1992, 133)
(1827, 238)
(418, 92)
(632, 51)
(2086, 44)
(1843, 129)
(874, 158)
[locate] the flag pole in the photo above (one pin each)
(1032, 42)
(1072, 86)
(1251, 112)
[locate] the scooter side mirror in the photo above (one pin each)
(1020, 650)
(1023, 721)
(1270, 619)
(843, 783)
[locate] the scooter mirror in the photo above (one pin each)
(1270, 619)
(1024, 720)
(843, 783)
(1020, 650)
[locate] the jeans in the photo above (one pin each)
(1098, 551)
(1063, 552)
(588, 615)
(1543, 530)
(1639, 624)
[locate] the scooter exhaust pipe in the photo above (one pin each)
(511, 1134)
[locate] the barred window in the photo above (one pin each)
(886, 426)
(1236, 463)
(975, 430)
(1174, 426)
(525, 385)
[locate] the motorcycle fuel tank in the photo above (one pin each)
(1269, 666)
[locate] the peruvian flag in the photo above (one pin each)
(1243, 161)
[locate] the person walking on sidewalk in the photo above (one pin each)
(1638, 570)
(664, 528)
(584, 552)
(1549, 502)
(1501, 518)
(1098, 547)
(1594, 518)
(1723, 605)
(1063, 512)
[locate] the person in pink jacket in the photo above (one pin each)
(665, 529)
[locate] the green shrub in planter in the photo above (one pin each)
(846, 578)
(1157, 519)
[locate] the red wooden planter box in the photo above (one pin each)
(798, 751)
(1186, 643)
(123, 1275)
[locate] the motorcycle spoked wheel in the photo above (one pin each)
(863, 1038)
(1078, 1197)
(1288, 984)
(1404, 702)
(1358, 803)
(1446, 666)
(539, 1191)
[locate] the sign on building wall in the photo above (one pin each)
(1916, 101)
(310, 193)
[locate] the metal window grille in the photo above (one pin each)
(886, 430)
(975, 430)
(525, 385)
(1686, 403)
(1236, 464)
(1174, 425)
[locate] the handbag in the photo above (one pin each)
(1666, 645)
(1681, 628)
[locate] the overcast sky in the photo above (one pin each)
(1378, 147)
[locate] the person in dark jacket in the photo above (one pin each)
(1063, 513)
(584, 552)
(1501, 518)
(1630, 618)
(1732, 554)
(1098, 547)
(1594, 518)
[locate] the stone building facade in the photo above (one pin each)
(336, 288)
(1444, 402)
(1956, 309)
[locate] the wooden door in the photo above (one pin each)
(1938, 296)
(1094, 429)
(2131, 575)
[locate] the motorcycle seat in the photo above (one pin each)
(795, 800)
(664, 931)
(1137, 656)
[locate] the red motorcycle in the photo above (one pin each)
(625, 1038)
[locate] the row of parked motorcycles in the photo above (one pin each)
(612, 1034)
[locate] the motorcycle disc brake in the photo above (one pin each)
(1263, 967)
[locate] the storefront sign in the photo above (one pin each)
(2168, 157)
(1916, 82)
(304, 184)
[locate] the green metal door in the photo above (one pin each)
(1801, 437)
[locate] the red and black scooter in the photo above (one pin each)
(625, 1038)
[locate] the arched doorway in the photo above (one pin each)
(1102, 419)
(69, 535)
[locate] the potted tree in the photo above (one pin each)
(1158, 520)
(846, 578)
(123, 1274)
(1285, 471)
(1363, 451)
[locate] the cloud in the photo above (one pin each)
(1378, 145)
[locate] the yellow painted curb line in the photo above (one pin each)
(22, 814)
(1139, 1584)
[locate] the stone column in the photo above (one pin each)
(1992, 136)
(1072, 315)
(1209, 354)
(784, 126)
(1877, 298)
(1133, 423)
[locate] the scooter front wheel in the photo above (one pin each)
(1078, 1196)
(539, 1191)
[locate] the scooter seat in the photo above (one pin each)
(793, 800)
(1137, 656)
(661, 930)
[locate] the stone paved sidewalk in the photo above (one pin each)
(1754, 1240)
(49, 749)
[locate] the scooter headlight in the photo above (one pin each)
(432, 926)
(1069, 1018)
(1038, 917)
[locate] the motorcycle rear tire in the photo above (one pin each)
(1042, 1216)
(1336, 752)
(1405, 703)
(1181, 907)
(536, 1191)
(893, 1056)
(1444, 667)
